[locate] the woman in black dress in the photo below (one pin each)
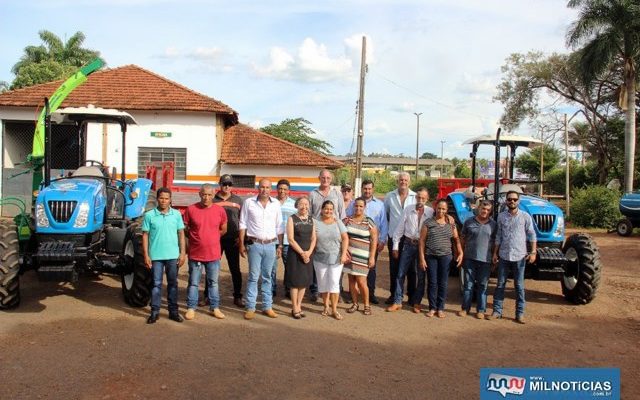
(298, 273)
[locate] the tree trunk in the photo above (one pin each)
(630, 128)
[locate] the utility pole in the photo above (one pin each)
(363, 71)
(566, 177)
(442, 142)
(417, 140)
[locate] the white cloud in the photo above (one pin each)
(205, 54)
(256, 124)
(481, 86)
(311, 63)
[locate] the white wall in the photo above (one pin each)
(194, 131)
(11, 154)
(261, 171)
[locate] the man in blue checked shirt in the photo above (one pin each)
(376, 211)
(515, 229)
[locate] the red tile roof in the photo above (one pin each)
(126, 88)
(244, 145)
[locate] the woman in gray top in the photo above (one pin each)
(435, 254)
(329, 257)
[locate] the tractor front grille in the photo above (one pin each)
(544, 222)
(62, 210)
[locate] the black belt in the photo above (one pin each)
(412, 241)
(265, 241)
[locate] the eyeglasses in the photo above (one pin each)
(226, 184)
(512, 200)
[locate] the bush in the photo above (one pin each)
(595, 207)
(430, 183)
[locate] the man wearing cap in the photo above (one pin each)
(347, 195)
(261, 220)
(231, 203)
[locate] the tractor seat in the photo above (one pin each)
(88, 171)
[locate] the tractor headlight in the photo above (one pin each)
(41, 216)
(83, 216)
(560, 227)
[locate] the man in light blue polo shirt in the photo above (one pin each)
(163, 248)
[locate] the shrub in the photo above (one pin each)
(430, 183)
(595, 206)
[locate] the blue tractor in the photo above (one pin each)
(574, 261)
(85, 222)
(630, 208)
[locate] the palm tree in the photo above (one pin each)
(53, 49)
(609, 33)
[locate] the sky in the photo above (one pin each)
(272, 60)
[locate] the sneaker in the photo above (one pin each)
(462, 313)
(495, 315)
(249, 314)
(520, 319)
(217, 313)
(270, 313)
(480, 315)
(190, 314)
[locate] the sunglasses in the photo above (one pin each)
(512, 200)
(226, 184)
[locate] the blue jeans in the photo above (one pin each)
(261, 258)
(476, 275)
(371, 278)
(171, 269)
(274, 283)
(517, 268)
(212, 270)
(438, 275)
(406, 265)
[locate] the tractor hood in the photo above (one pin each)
(59, 205)
(548, 218)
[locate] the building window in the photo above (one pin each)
(244, 181)
(158, 155)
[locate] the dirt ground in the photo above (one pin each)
(83, 342)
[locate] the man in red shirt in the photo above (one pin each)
(204, 222)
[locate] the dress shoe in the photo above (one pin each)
(190, 314)
(217, 313)
(394, 307)
(520, 319)
(462, 313)
(175, 317)
(238, 302)
(249, 314)
(152, 318)
(389, 300)
(270, 313)
(373, 300)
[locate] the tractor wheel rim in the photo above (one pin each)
(571, 279)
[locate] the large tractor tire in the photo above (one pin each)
(584, 267)
(137, 279)
(624, 227)
(9, 266)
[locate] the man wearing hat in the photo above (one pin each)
(347, 194)
(230, 240)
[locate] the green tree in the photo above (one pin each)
(4, 86)
(429, 156)
(608, 34)
(51, 60)
(298, 131)
(529, 162)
